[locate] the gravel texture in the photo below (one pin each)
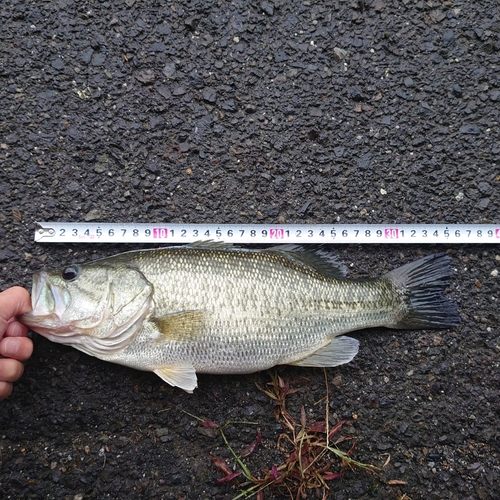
(248, 111)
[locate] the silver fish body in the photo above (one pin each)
(216, 309)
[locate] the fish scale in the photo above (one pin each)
(210, 308)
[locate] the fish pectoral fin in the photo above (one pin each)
(339, 351)
(182, 376)
(180, 326)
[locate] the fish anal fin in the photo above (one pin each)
(183, 376)
(181, 326)
(339, 351)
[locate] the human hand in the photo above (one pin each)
(15, 347)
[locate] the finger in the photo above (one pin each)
(20, 348)
(10, 369)
(13, 301)
(16, 329)
(5, 390)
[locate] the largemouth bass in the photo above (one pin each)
(211, 308)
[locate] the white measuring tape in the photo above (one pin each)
(82, 232)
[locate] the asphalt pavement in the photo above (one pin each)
(383, 111)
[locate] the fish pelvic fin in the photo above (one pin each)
(180, 326)
(339, 351)
(421, 285)
(183, 376)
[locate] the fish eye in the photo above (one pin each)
(70, 273)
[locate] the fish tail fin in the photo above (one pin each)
(421, 284)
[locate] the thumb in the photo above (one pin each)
(13, 301)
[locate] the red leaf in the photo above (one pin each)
(229, 478)
(303, 420)
(274, 472)
(336, 428)
(332, 475)
(251, 447)
(209, 424)
(221, 465)
(353, 447)
(318, 426)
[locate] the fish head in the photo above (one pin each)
(97, 308)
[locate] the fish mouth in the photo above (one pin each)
(48, 302)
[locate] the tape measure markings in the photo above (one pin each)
(81, 232)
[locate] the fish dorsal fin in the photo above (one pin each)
(180, 326)
(183, 376)
(316, 256)
(209, 245)
(339, 351)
